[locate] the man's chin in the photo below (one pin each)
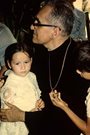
(35, 41)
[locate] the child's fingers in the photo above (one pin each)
(1, 83)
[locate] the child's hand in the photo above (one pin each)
(39, 105)
(1, 82)
(56, 99)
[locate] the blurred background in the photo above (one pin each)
(17, 14)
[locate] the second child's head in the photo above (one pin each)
(18, 58)
(83, 60)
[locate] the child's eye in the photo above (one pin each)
(26, 61)
(17, 63)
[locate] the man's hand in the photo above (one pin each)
(13, 114)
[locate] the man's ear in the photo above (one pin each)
(56, 31)
(78, 71)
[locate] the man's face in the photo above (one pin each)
(43, 34)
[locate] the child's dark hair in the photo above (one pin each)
(83, 57)
(17, 47)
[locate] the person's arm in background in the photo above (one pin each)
(3, 68)
(6, 38)
(2, 71)
(58, 102)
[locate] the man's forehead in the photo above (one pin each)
(44, 12)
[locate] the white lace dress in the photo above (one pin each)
(22, 92)
(87, 102)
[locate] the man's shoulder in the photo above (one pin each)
(73, 47)
(74, 43)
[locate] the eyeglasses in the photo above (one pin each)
(43, 25)
(36, 22)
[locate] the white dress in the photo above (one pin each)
(22, 92)
(87, 102)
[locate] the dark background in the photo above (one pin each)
(18, 14)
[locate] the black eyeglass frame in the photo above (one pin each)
(43, 25)
(39, 24)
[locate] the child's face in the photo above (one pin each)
(85, 75)
(21, 63)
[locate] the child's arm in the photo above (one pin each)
(57, 101)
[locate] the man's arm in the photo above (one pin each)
(12, 114)
(88, 126)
